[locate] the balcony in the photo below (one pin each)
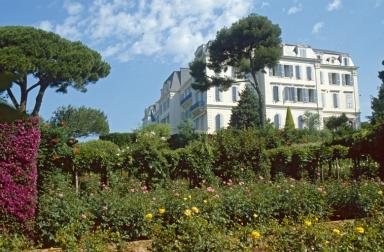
(186, 101)
(197, 108)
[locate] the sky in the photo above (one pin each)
(145, 40)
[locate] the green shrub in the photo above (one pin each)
(239, 155)
(120, 139)
(62, 215)
(97, 156)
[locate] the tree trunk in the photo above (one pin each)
(13, 98)
(255, 84)
(23, 95)
(39, 99)
(75, 178)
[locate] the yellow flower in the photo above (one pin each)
(189, 197)
(380, 192)
(195, 209)
(255, 234)
(255, 216)
(188, 213)
(185, 198)
(316, 219)
(205, 201)
(359, 230)
(148, 216)
(307, 223)
(336, 231)
(161, 210)
(326, 242)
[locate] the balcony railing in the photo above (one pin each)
(188, 96)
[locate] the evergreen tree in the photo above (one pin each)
(377, 104)
(245, 114)
(289, 123)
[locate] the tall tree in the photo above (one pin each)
(311, 120)
(81, 121)
(245, 115)
(377, 104)
(289, 123)
(52, 61)
(249, 45)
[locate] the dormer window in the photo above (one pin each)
(303, 52)
(346, 61)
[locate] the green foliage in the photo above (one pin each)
(339, 125)
(56, 62)
(185, 135)
(245, 115)
(311, 120)
(289, 123)
(196, 163)
(120, 139)
(81, 121)
(239, 155)
(377, 104)
(97, 156)
(7, 112)
(62, 215)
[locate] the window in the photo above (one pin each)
(300, 122)
(323, 99)
(299, 94)
(321, 77)
(309, 73)
(218, 122)
(235, 94)
(346, 79)
(302, 52)
(276, 93)
(289, 94)
(298, 73)
(218, 94)
(346, 61)
(335, 100)
(312, 95)
(349, 100)
(334, 78)
(202, 122)
(305, 95)
(276, 121)
(288, 71)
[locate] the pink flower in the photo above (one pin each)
(210, 189)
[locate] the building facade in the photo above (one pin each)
(305, 79)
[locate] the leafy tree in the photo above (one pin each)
(289, 123)
(7, 112)
(249, 45)
(378, 102)
(81, 121)
(339, 125)
(50, 60)
(311, 120)
(185, 135)
(245, 115)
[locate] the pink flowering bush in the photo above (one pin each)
(19, 141)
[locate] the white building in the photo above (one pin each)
(306, 79)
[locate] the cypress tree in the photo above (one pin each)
(289, 123)
(245, 115)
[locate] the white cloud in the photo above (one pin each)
(295, 9)
(45, 25)
(170, 29)
(317, 27)
(73, 8)
(334, 5)
(264, 5)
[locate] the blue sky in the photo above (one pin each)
(145, 40)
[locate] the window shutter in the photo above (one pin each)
(330, 78)
(290, 71)
(343, 79)
(309, 73)
(285, 91)
(306, 95)
(338, 79)
(276, 93)
(234, 96)
(270, 72)
(281, 70)
(321, 77)
(294, 96)
(218, 94)
(298, 74)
